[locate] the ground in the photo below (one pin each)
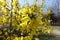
(55, 35)
(56, 32)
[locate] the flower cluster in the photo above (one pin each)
(25, 23)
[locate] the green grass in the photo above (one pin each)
(46, 37)
(55, 26)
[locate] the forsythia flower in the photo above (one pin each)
(1, 4)
(24, 23)
(16, 38)
(6, 11)
(24, 11)
(36, 38)
(0, 32)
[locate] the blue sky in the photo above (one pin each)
(48, 3)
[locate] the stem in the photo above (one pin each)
(11, 18)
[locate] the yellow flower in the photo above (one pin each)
(48, 13)
(25, 19)
(15, 10)
(30, 11)
(50, 30)
(6, 33)
(16, 38)
(36, 38)
(41, 10)
(0, 32)
(24, 11)
(6, 11)
(24, 24)
(14, 0)
(15, 3)
(1, 4)
(21, 37)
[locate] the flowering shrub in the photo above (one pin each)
(23, 23)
